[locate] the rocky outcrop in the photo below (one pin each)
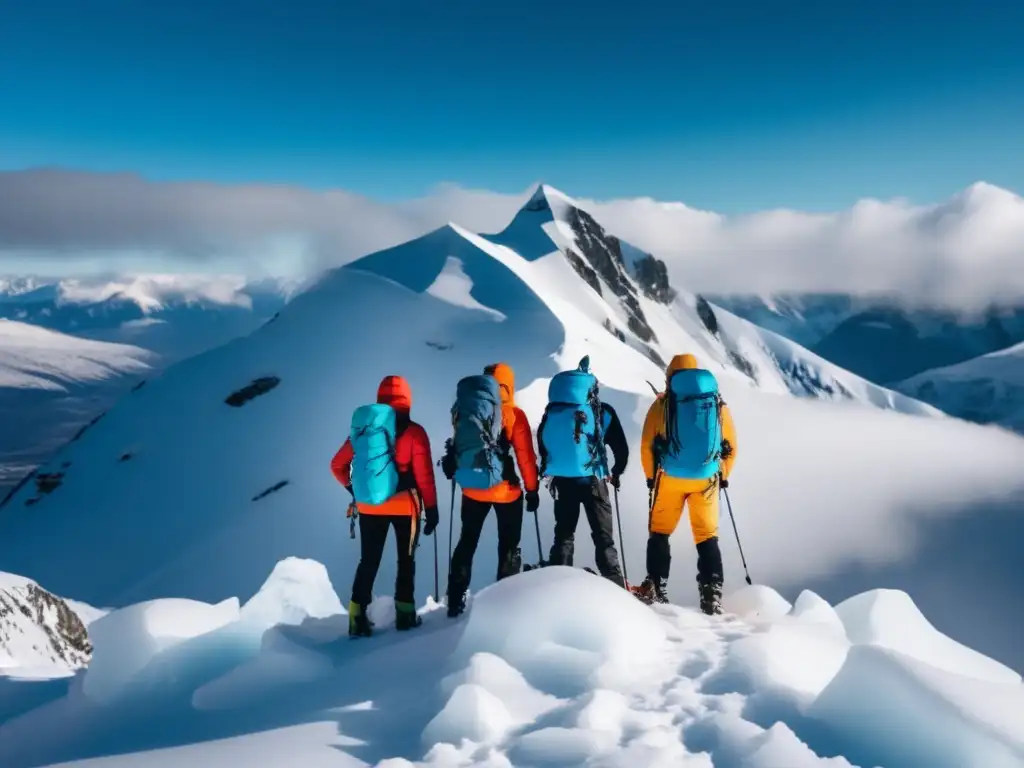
(38, 629)
(652, 276)
(258, 387)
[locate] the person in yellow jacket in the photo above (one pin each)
(687, 450)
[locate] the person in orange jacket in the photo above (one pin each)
(506, 497)
(687, 449)
(415, 490)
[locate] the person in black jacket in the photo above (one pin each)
(591, 493)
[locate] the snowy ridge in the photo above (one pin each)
(988, 389)
(553, 667)
(41, 635)
(36, 358)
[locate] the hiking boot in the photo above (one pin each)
(359, 624)
(710, 597)
(406, 616)
(653, 590)
(456, 605)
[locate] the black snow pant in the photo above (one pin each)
(709, 559)
(592, 494)
(510, 530)
(373, 534)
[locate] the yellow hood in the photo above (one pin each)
(681, 363)
(506, 379)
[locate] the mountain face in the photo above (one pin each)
(172, 316)
(51, 385)
(39, 632)
(882, 340)
(988, 389)
(199, 481)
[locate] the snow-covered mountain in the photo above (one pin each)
(195, 485)
(175, 316)
(51, 384)
(885, 340)
(41, 634)
(988, 389)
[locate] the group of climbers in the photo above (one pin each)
(688, 447)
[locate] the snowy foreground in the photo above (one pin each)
(554, 667)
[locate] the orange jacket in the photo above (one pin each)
(517, 429)
(412, 456)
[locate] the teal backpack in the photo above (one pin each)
(693, 426)
(374, 470)
(572, 429)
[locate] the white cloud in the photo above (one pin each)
(966, 250)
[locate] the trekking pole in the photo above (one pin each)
(622, 543)
(540, 550)
(437, 588)
(731, 517)
(451, 526)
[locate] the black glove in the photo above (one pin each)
(432, 520)
(532, 501)
(448, 464)
(722, 482)
(650, 483)
(615, 483)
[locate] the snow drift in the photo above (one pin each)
(227, 453)
(553, 667)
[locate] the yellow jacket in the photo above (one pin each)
(654, 424)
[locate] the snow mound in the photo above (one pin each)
(552, 667)
(127, 640)
(889, 619)
(757, 603)
(593, 631)
(296, 590)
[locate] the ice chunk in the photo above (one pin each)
(497, 676)
(890, 619)
(296, 589)
(127, 640)
(472, 713)
(562, 746)
(811, 609)
(892, 709)
(756, 603)
(564, 628)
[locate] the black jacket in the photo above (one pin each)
(614, 438)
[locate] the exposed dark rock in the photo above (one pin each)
(439, 345)
(81, 432)
(603, 252)
(652, 276)
(126, 456)
(272, 489)
(258, 387)
(616, 332)
(139, 386)
(17, 487)
(67, 640)
(654, 356)
(804, 380)
(707, 315)
(47, 483)
(742, 364)
(584, 270)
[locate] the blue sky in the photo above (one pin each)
(729, 106)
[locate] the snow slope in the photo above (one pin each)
(988, 389)
(50, 385)
(553, 667)
(174, 316)
(188, 496)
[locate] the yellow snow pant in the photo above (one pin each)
(671, 494)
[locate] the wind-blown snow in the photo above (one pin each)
(554, 667)
(454, 286)
(36, 358)
(820, 486)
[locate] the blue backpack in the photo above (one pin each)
(477, 442)
(693, 425)
(374, 470)
(573, 427)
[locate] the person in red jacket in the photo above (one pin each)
(415, 491)
(506, 497)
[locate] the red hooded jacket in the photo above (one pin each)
(412, 455)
